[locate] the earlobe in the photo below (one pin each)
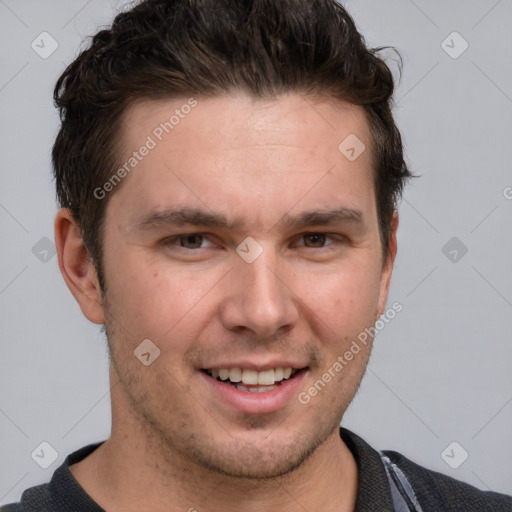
(76, 266)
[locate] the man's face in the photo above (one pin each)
(180, 271)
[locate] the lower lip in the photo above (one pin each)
(256, 403)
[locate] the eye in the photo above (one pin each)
(316, 240)
(192, 241)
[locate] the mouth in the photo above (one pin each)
(250, 389)
(253, 381)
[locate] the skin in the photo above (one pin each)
(174, 442)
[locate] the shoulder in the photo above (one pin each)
(436, 491)
(34, 499)
(62, 494)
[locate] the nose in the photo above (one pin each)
(259, 298)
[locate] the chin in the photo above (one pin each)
(254, 464)
(257, 461)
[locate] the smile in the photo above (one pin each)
(252, 381)
(252, 388)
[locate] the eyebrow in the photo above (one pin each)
(197, 217)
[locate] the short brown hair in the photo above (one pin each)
(171, 48)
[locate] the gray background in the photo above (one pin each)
(440, 371)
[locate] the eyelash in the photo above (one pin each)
(174, 239)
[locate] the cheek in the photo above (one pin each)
(154, 300)
(342, 300)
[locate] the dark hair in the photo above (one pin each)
(174, 48)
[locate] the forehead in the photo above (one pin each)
(235, 151)
(222, 122)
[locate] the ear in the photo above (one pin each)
(387, 267)
(76, 266)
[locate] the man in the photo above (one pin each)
(228, 174)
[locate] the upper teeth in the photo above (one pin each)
(248, 377)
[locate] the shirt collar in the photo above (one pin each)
(373, 491)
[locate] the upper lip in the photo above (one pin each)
(258, 366)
